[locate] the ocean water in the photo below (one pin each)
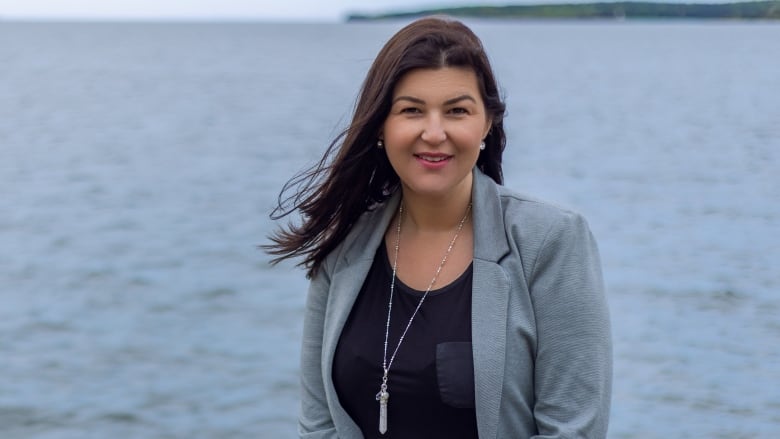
(139, 162)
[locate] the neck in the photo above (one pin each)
(436, 214)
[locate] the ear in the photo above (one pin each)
(488, 127)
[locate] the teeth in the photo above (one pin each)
(432, 159)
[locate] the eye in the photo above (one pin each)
(459, 111)
(410, 110)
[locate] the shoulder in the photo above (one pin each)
(364, 236)
(544, 234)
(526, 214)
(511, 222)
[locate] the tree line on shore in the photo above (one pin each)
(753, 10)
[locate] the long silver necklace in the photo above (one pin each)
(383, 396)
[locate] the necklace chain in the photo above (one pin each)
(385, 364)
(383, 396)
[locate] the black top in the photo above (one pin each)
(431, 380)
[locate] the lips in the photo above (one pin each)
(433, 161)
(433, 157)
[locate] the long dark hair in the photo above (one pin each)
(331, 195)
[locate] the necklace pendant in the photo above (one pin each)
(382, 397)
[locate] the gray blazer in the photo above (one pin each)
(540, 325)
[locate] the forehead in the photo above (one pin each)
(443, 81)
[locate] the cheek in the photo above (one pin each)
(470, 136)
(398, 132)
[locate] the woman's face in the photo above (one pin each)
(433, 132)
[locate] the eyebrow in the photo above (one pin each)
(447, 102)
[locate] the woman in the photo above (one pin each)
(441, 304)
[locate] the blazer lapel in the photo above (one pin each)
(490, 297)
(351, 270)
(349, 273)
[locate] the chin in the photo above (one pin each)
(431, 190)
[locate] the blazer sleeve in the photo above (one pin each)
(314, 420)
(573, 368)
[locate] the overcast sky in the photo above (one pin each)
(277, 10)
(330, 10)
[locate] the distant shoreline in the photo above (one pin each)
(753, 10)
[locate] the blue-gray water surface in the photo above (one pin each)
(139, 162)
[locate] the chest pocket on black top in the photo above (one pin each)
(455, 374)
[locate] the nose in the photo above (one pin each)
(433, 131)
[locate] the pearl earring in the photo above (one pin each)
(380, 144)
(482, 146)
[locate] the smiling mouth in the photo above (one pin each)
(433, 158)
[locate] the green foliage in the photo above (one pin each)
(740, 10)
